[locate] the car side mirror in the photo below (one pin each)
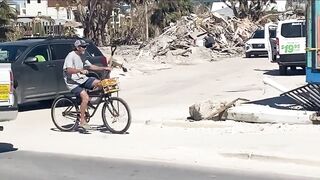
(30, 60)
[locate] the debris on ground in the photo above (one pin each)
(210, 110)
(191, 34)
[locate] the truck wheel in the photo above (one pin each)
(282, 70)
(248, 55)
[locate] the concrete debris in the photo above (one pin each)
(264, 114)
(224, 37)
(203, 110)
(237, 110)
(210, 110)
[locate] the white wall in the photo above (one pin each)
(52, 11)
(34, 8)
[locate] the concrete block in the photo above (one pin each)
(265, 114)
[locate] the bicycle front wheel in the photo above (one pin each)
(64, 113)
(116, 115)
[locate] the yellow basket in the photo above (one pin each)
(110, 85)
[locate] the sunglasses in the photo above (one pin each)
(83, 47)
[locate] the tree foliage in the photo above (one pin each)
(7, 13)
(244, 9)
(168, 11)
(94, 15)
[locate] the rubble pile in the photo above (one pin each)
(222, 37)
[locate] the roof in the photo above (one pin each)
(31, 40)
(22, 42)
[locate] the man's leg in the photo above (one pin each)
(83, 106)
(96, 83)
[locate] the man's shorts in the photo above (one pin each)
(86, 85)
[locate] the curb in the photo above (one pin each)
(276, 159)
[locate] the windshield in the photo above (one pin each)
(259, 34)
(292, 30)
(9, 54)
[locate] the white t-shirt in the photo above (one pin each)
(73, 60)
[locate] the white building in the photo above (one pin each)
(56, 9)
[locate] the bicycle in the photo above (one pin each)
(66, 108)
(69, 107)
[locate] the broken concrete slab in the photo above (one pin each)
(265, 114)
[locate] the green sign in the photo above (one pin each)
(291, 48)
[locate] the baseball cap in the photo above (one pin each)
(80, 43)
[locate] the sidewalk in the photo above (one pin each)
(285, 149)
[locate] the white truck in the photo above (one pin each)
(288, 48)
(8, 100)
(259, 43)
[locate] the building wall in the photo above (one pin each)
(41, 7)
(62, 13)
(36, 7)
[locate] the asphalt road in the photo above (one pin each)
(17, 165)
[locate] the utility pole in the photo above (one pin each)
(147, 24)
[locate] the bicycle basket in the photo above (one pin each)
(110, 85)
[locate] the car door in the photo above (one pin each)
(38, 77)
(270, 38)
(59, 52)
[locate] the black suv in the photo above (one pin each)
(38, 79)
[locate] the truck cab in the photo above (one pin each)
(8, 100)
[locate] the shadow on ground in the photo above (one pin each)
(35, 106)
(98, 128)
(279, 102)
(275, 72)
(256, 56)
(6, 147)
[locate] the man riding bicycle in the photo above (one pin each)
(75, 69)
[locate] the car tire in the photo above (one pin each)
(248, 55)
(283, 70)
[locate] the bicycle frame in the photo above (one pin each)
(102, 98)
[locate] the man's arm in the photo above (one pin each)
(75, 71)
(98, 68)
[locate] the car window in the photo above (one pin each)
(93, 50)
(60, 51)
(9, 54)
(259, 34)
(294, 29)
(40, 53)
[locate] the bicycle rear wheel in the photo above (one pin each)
(116, 115)
(64, 113)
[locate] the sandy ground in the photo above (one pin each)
(159, 96)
